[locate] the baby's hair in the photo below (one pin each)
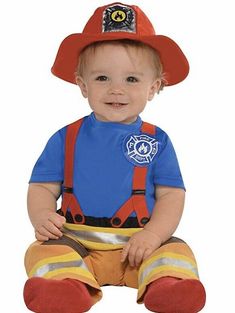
(126, 43)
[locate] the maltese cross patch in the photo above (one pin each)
(119, 18)
(140, 149)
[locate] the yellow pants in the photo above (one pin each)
(92, 255)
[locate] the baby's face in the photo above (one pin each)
(118, 82)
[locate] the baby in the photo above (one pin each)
(120, 181)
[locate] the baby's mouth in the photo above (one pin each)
(116, 104)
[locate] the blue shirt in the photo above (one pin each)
(102, 171)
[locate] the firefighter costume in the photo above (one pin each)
(108, 173)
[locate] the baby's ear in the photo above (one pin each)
(155, 87)
(80, 82)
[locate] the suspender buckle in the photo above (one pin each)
(68, 189)
(138, 192)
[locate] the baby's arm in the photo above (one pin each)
(165, 218)
(167, 212)
(42, 203)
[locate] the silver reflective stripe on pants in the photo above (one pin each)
(169, 262)
(98, 237)
(44, 269)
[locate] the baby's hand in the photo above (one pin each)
(48, 226)
(140, 246)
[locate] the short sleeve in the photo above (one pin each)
(50, 165)
(167, 171)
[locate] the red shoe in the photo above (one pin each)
(61, 296)
(173, 295)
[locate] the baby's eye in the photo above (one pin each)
(132, 79)
(102, 78)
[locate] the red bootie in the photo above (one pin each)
(60, 296)
(173, 295)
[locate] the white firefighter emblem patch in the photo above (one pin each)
(140, 149)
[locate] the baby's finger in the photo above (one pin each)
(43, 231)
(125, 251)
(57, 220)
(49, 226)
(138, 256)
(132, 254)
(40, 237)
(147, 253)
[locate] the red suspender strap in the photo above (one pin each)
(148, 128)
(69, 200)
(137, 201)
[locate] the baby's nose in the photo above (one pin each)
(116, 88)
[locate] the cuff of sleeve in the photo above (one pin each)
(42, 178)
(177, 183)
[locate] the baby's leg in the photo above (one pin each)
(169, 282)
(59, 278)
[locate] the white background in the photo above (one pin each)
(197, 115)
